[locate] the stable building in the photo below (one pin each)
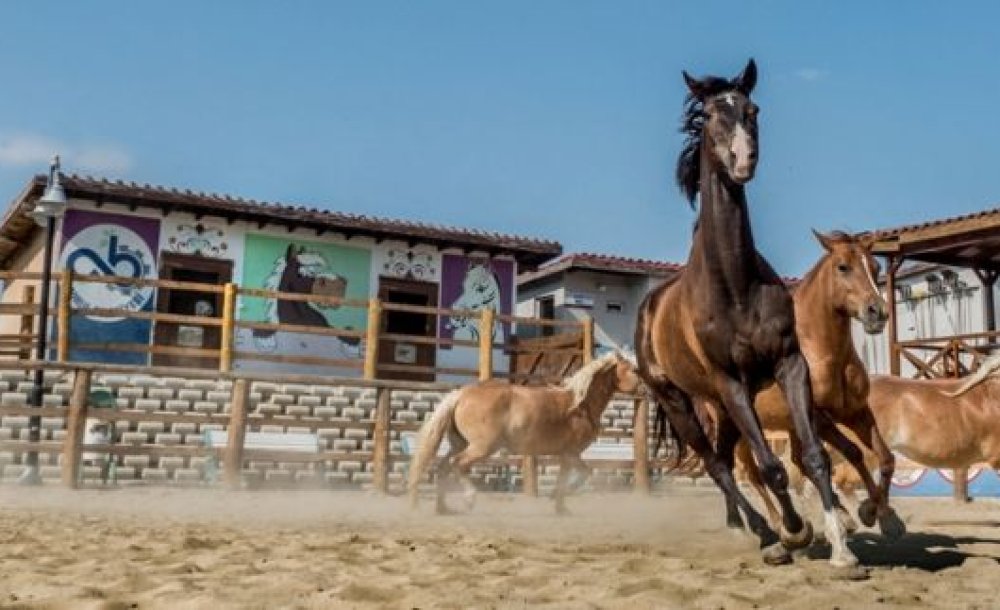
(115, 228)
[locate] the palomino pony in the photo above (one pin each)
(724, 328)
(482, 418)
(841, 286)
(941, 423)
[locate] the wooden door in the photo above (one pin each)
(193, 336)
(395, 350)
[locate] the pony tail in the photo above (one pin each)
(429, 440)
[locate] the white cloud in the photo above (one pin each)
(31, 150)
(811, 74)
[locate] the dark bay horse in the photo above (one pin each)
(724, 327)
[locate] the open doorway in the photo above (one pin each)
(395, 349)
(190, 268)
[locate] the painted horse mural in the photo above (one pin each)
(480, 290)
(302, 271)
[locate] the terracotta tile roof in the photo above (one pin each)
(602, 262)
(612, 264)
(529, 251)
(896, 231)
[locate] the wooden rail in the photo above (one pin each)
(226, 321)
(239, 419)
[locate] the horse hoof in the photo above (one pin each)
(799, 539)
(891, 525)
(846, 520)
(867, 512)
(776, 555)
(843, 559)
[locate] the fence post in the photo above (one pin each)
(588, 339)
(640, 442)
(63, 315)
(76, 421)
(380, 436)
(228, 319)
(371, 338)
(27, 324)
(486, 319)
(240, 403)
(529, 471)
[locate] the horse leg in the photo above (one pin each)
(463, 464)
(793, 376)
(877, 504)
(567, 463)
(457, 443)
(795, 533)
(682, 417)
(728, 436)
(753, 475)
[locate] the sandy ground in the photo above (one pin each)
(164, 548)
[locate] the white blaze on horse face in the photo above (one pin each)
(869, 274)
(731, 99)
(741, 148)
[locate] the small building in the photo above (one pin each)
(152, 232)
(607, 288)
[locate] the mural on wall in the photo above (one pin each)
(198, 238)
(99, 244)
(323, 269)
(397, 260)
(476, 283)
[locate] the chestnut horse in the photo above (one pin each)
(723, 328)
(941, 423)
(482, 418)
(841, 286)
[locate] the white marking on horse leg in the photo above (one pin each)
(841, 556)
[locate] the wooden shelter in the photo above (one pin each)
(971, 241)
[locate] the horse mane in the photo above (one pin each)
(272, 282)
(692, 124)
(579, 383)
(989, 369)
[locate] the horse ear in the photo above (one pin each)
(290, 252)
(866, 240)
(747, 79)
(823, 240)
(693, 84)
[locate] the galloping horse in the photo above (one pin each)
(841, 286)
(724, 328)
(482, 418)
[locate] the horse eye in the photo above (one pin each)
(843, 268)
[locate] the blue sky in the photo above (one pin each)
(550, 119)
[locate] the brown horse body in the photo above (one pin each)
(483, 418)
(944, 423)
(724, 328)
(841, 286)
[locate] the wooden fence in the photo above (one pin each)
(239, 418)
(18, 345)
(953, 356)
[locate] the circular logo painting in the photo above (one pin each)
(908, 477)
(103, 250)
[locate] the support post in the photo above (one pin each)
(529, 471)
(486, 320)
(988, 278)
(371, 338)
(640, 441)
(27, 324)
(588, 339)
(380, 437)
(240, 404)
(960, 486)
(893, 331)
(76, 422)
(228, 326)
(63, 315)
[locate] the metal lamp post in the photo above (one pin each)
(47, 210)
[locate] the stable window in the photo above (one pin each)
(547, 311)
(615, 307)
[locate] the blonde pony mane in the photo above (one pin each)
(579, 383)
(989, 369)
